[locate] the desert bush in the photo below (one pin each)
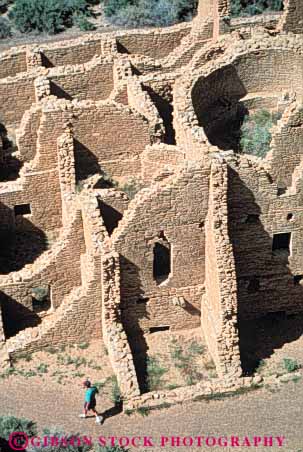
(5, 28)
(149, 13)
(155, 372)
(291, 365)
(116, 396)
(253, 7)
(256, 133)
(50, 17)
(9, 424)
(81, 21)
(111, 449)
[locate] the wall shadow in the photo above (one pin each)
(165, 109)
(21, 241)
(59, 92)
(217, 104)
(268, 292)
(10, 166)
(86, 162)
(110, 215)
(16, 317)
(133, 308)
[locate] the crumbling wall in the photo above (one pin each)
(78, 51)
(287, 144)
(27, 133)
(160, 159)
(111, 137)
(2, 336)
(219, 304)
(155, 43)
(151, 216)
(12, 62)
(58, 268)
(93, 80)
(17, 95)
(266, 278)
(292, 18)
(113, 333)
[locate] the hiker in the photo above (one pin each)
(90, 401)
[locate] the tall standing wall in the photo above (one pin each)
(219, 304)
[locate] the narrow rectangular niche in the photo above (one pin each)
(159, 329)
(281, 244)
(22, 209)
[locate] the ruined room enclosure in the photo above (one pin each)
(225, 97)
(126, 204)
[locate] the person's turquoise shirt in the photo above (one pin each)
(90, 394)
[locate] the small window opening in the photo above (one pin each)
(202, 225)
(252, 219)
(162, 261)
(290, 217)
(282, 189)
(22, 209)
(298, 279)
(253, 285)
(41, 298)
(158, 329)
(142, 300)
(281, 244)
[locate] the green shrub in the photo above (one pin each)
(111, 449)
(149, 13)
(291, 365)
(155, 373)
(9, 424)
(116, 397)
(255, 133)
(253, 7)
(50, 16)
(81, 21)
(5, 28)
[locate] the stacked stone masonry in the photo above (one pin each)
(121, 201)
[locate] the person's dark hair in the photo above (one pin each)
(87, 384)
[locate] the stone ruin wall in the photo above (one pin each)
(219, 304)
(99, 115)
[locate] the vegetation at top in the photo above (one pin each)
(54, 16)
(256, 133)
(149, 12)
(253, 7)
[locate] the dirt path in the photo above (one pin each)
(255, 414)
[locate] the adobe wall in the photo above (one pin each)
(58, 268)
(219, 304)
(17, 95)
(27, 133)
(92, 80)
(12, 62)
(110, 137)
(151, 215)
(291, 20)
(79, 51)
(256, 212)
(287, 144)
(160, 159)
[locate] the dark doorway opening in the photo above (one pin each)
(162, 261)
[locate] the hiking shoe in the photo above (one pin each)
(99, 419)
(82, 415)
